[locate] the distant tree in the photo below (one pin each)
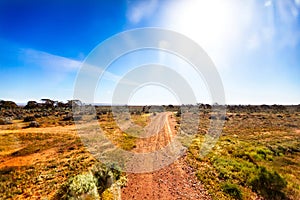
(207, 106)
(146, 109)
(8, 104)
(60, 104)
(48, 103)
(31, 105)
(170, 106)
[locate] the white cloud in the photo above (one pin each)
(288, 11)
(49, 61)
(275, 26)
(268, 3)
(287, 30)
(142, 9)
(60, 66)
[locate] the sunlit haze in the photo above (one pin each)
(253, 44)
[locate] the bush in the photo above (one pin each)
(233, 190)
(178, 113)
(92, 184)
(5, 121)
(82, 186)
(34, 124)
(29, 119)
(68, 118)
(237, 169)
(8, 104)
(104, 176)
(268, 184)
(31, 105)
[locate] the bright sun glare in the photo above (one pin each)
(208, 22)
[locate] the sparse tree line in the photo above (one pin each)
(65, 113)
(48, 103)
(45, 103)
(51, 104)
(33, 111)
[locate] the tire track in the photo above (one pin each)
(176, 181)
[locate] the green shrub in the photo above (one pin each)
(90, 185)
(82, 186)
(105, 175)
(268, 184)
(262, 153)
(237, 169)
(233, 190)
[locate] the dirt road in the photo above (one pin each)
(175, 181)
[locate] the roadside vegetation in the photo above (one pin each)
(41, 154)
(50, 160)
(258, 156)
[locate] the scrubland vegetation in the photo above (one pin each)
(41, 155)
(256, 157)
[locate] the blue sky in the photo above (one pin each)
(254, 44)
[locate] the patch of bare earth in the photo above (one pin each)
(28, 159)
(176, 181)
(43, 155)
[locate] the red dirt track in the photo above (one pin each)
(176, 181)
